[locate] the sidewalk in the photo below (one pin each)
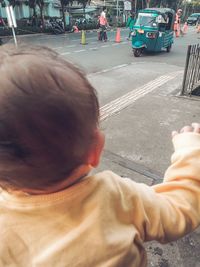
(138, 145)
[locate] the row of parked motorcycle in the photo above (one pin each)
(57, 25)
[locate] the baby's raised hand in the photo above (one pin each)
(195, 127)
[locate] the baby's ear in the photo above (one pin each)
(96, 149)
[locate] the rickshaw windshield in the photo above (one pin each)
(146, 19)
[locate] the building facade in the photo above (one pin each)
(52, 8)
(22, 9)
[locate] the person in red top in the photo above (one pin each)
(103, 23)
(177, 23)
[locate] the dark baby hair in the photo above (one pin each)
(48, 116)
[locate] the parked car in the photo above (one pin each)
(193, 18)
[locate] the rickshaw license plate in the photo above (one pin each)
(141, 31)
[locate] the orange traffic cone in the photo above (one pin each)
(185, 28)
(198, 28)
(118, 38)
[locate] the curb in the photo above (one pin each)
(66, 33)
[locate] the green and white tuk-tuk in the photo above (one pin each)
(153, 30)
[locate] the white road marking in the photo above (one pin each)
(124, 101)
(106, 70)
(87, 38)
(70, 46)
(119, 66)
(110, 69)
(93, 48)
(83, 50)
(66, 53)
(79, 51)
(55, 48)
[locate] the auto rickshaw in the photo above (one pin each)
(153, 30)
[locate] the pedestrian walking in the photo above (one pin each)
(177, 24)
(53, 211)
(130, 24)
(103, 24)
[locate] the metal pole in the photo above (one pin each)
(184, 10)
(186, 69)
(117, 11)
(15, 39)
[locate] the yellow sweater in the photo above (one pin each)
(103, 220)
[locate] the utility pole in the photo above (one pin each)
(185, 8)
(135, 6)
(117, 11)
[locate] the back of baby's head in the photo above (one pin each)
(48, 115)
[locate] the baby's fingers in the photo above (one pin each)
(174, 133)
(187, 129)
(196, 127)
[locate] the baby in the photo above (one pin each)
(52, 211)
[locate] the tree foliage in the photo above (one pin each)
(12, 2)
(32, 4)
(40, 4)
(84, 2)
(64, 6)
(174, 4)
(2, 3)
(191, 7)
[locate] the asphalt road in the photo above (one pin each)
(97, 58)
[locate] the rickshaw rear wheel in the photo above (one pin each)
(137, 52)
(169, 48)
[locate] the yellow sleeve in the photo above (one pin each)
(167, 211)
